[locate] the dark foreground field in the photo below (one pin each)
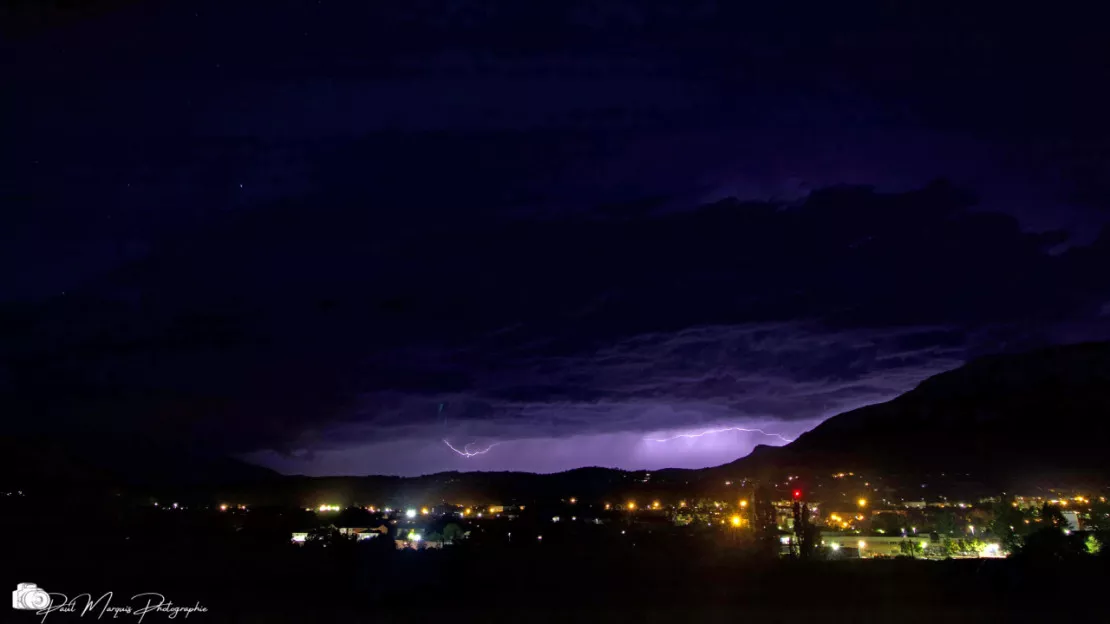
(245, 581)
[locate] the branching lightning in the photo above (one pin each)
(712, 431)
(466, 452)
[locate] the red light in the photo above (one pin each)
(797, 493)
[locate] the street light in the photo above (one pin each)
(862, 502)
(736, 521)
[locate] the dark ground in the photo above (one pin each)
(243, 579)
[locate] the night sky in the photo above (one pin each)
(339, 237)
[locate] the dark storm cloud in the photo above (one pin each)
(780, 372)
(331, 218)
(734, 313)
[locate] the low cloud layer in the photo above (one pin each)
(693, 398)
(565, 342)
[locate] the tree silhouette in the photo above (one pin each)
(1052, 514)
(910, 548)
(763, 521)
(1007, 525)
(806, 533)
(1050, 544)
(452, 532)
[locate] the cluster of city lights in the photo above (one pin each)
(328, 508)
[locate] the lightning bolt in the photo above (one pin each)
(712, 431)
(466, 452)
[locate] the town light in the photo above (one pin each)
(573, 500)
(423, 511)
(655, 505)
(631, 506)
(223, 507)
(410, 513)
(834, 546)
(743, 503)
(736, 521)
(862, 502)
(862, 544)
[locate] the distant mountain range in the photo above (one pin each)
(1007, 419)
(1039, 414)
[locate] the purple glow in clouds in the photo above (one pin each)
(726, 429)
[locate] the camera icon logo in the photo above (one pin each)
(29, 597)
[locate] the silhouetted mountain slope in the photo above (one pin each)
(1033, 414)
